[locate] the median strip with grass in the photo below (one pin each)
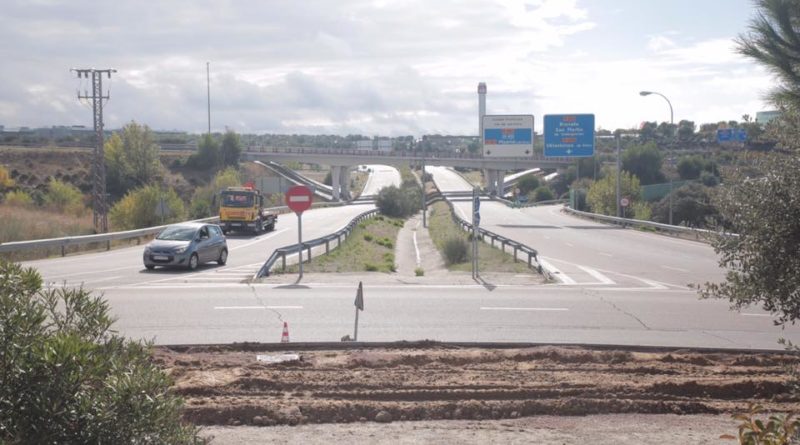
(370, 248)
(454, 244)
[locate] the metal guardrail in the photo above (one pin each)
(625, 222)
(65, 242)
(503, 241)
(282, 252)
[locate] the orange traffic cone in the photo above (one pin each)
(285, 335)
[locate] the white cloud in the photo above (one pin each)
(371, 67)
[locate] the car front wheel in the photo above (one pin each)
(193, 261)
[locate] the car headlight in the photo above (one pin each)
(180, 250)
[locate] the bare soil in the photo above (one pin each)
(226, 385)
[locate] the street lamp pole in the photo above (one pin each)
(671, 152)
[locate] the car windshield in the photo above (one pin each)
(237, 199)
(177, 233)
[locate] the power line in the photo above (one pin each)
(99, 199)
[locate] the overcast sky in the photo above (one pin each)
(381, 67)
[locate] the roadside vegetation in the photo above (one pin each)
(369, 248)
(68, 378)
(454, 245)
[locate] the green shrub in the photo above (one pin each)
(419, 271)
(778, 430)
(367, 237)
(388, 257)
(64, 198)
(369, 267)
(138, 208)
(455, 250)
(399, 203)
(67, 378)
(542, 193)
(18, 198)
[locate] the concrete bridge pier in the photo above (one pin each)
(488, 175)
(501, 185)
(344, 183)
(335, 174)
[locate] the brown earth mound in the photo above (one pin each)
(228, 386)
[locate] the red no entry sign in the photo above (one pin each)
(299, 198)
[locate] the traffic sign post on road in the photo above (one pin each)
(569, 135)
(299, 199)
(476, 221)
(359, 304)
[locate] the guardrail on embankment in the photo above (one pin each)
(69, 241)
(501, 240)
(698, 234)
(282, 252)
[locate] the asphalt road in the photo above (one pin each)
(617, 287)
(106, 271)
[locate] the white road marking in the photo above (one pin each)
(259, 239)
(569, 244)
(677, 269)
(536, 309)
(416, 247)
(92, 272)
(756, 315)
(606, 254)
(597, 275)
(255, 307)
(556, 273)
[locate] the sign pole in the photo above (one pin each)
(299, 198)
(355, 332)
(300, 241)
(476, 218)
(359, 304)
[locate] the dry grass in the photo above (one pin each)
(475, 177)
(442, 227)
(26, 224)
(370, 248)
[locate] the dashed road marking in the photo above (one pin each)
(532, 309)
(255, 307)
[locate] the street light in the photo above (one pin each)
(671, 123)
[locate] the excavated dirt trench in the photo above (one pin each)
(228, 386)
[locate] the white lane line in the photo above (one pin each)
(416, 247)
(677, 269)
(535, 309)
(255, 307)
(606, 254)
(556, 273)
(597, 275)
(259, 239)
(93, 272)
(756, 315)
(569, 244)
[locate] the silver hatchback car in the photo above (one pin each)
(187, 245)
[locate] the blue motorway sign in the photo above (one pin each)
(569, 135)
(731, 135)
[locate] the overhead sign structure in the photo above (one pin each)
(569, 135)
(299, 198)
(508, 136)
(731, 135)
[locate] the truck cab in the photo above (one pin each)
(242, 209)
